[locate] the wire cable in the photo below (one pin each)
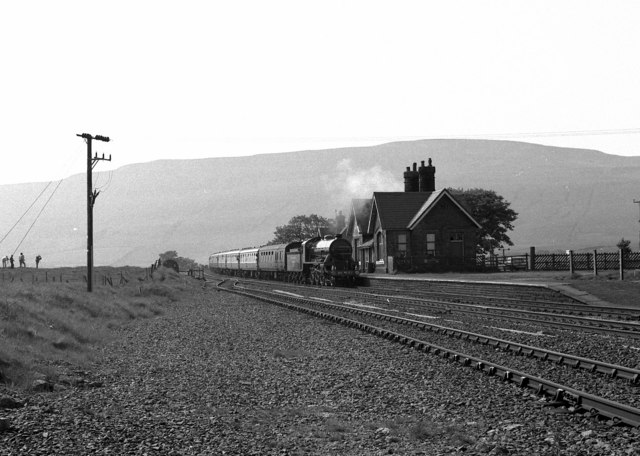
(37, 216)
(623, 131)
(25, 212)
(106, 186)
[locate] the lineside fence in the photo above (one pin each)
(569, 261)
(73, 275)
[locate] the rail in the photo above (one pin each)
(618, 413)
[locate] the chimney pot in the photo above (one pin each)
(427, 182)
(411, 180)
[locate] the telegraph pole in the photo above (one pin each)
(91, 199)
(638, 203)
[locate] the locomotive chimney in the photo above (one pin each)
(411, 180)
(340, 223)
(427, 177)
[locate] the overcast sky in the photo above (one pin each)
(193, 79)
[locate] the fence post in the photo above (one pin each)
(532, 259)
(595, 263)
(570, 253)
(621, 263)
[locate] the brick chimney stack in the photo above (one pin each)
(340, 222)
(427, 177)
(411, 179)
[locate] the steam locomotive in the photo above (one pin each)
(324, 260)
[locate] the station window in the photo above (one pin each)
(431, 244)
(380, 246)
(402, 244)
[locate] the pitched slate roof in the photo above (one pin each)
(431, 202)
(404, 210)
(396, 209)
(361, 212)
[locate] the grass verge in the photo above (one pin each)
(49, 324)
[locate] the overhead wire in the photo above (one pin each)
(25, 212)
(69, 162)
(37, 216)
(622, 131)
(107, 185)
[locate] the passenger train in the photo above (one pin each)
(317, 261)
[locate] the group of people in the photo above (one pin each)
(8, 261)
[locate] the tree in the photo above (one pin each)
(625, 246)
(183, 263)
(299, 228)
(493, 214)
(168, 255)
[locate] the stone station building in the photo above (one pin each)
(420, 229)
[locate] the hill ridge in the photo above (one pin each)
(565, 198)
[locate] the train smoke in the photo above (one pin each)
(351, 182)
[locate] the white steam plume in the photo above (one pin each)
(349, 182)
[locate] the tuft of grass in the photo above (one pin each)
(423, 430)
(8, 310)
(288, 353)
(158, 290)
(62, 343)
(161, 274)
(332, 425)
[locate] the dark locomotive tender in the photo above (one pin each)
(318, 261)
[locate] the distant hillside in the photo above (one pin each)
(566, 198)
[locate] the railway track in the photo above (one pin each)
(595, 322)
(539, 353)
(526, 297)
(428, 337)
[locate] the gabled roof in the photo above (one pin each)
(361, 211)
(430, 203)
(359, 216)
(404, 210)
(395, 209)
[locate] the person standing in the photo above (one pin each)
(11, 261)
(21, 258)
(38, 258)
(5, 260)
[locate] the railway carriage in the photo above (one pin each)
(231, 260)
(319, 261)
(248, 262)
(224, 261)
(281, 262)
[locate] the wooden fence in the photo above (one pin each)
(583, 261)
(111, 278)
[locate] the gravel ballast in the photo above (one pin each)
(222, 374)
